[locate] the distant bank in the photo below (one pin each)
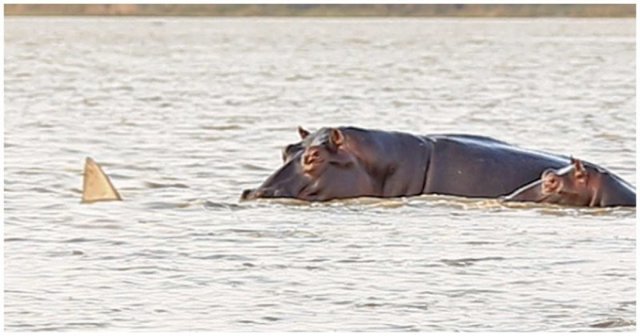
(319, 10)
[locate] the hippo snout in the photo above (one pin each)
(246, 194)
(250, 194)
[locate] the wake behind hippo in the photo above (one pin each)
(345, 162)
(577, 184)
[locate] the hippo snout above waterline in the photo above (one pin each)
(249, 194)
(246, 194)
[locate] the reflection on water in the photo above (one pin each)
(186, 113)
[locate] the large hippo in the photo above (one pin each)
(578, 184)
(348, 162)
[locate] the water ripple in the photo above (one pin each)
(181, 142)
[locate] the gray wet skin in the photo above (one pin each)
(349, 162)
(577, 184)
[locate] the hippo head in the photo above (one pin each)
(570, 185)
(317, 168)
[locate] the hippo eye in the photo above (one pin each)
(551, 179)
(330, 148)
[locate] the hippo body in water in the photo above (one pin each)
(578, 184)
(346, 162)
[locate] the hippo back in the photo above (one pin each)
(477, 166)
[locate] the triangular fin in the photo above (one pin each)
(96, 185)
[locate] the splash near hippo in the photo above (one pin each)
(345, 162)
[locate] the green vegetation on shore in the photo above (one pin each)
(322, 10)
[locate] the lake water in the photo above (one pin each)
(184, 114)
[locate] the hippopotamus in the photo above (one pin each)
(578, 184)
(345, 162)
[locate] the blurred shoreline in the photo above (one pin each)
(325, 10)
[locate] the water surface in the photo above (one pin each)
(185, 113)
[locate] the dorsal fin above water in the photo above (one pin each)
(96, 185)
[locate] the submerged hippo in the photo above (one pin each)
(349, 162)
(577, 184)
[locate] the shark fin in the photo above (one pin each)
(96, 185)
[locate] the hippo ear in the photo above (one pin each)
(579, 172)
(303, 132)
(337, 138)
(577, 165)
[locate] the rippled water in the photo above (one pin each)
(185, 113)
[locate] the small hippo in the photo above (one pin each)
(578, 185)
